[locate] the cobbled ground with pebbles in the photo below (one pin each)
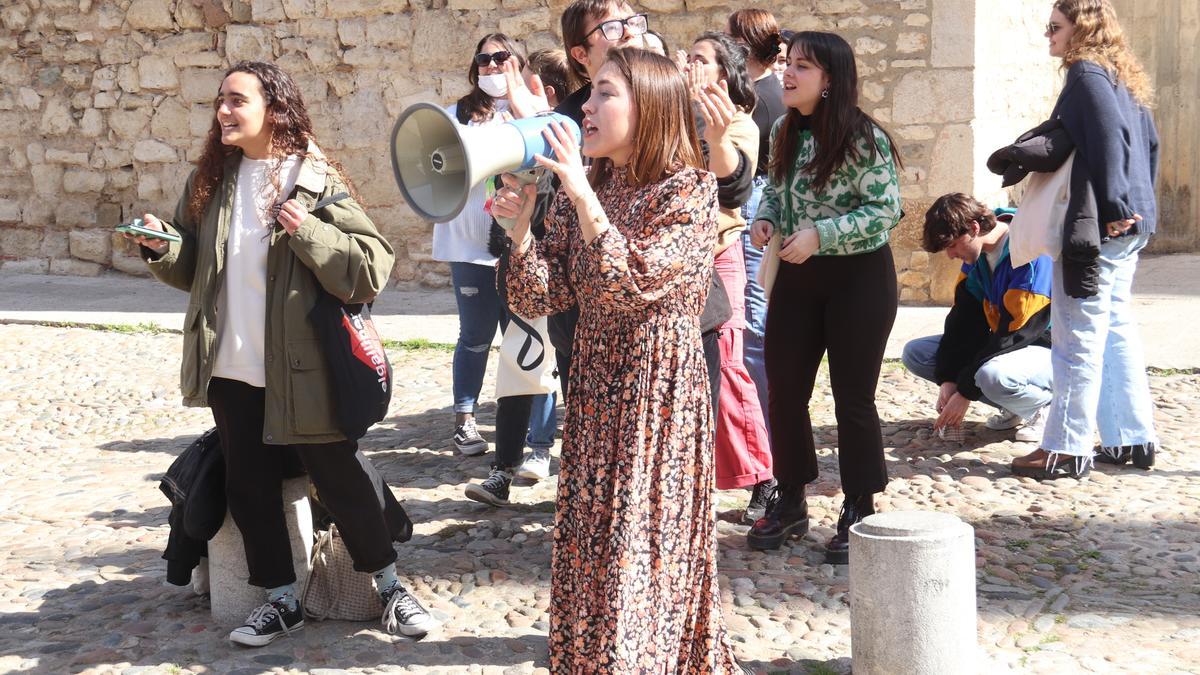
(1095, 576)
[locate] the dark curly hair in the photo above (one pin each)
(731, 59)
(289, 125)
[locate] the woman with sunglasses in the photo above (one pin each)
(829, 207)
(633, 570)
(463, 242)
(1096, 353)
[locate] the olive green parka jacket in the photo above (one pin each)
(336, 248)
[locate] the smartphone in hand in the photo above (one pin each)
(136, 228)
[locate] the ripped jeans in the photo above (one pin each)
(479, 315)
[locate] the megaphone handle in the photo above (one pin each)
(526, 177)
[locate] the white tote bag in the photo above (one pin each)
(1037, 227)
(526, 359)
(768, 269)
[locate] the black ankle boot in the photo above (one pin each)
(786, 517)
(854, 509)
(1142, 455)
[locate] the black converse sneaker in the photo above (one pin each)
(266, 623)
(492, 491)
(467, 439)
(404, 615)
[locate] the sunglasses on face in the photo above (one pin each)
(615, 29)
(1053, 28)
(498, 58)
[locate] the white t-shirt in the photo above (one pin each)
(465, 237)
(242, 302)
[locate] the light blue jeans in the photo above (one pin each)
(1019, 381)
(756, 302)
(1099, 368)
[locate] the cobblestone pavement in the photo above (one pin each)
(1098, 576)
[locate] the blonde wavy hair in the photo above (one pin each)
(1098, 38)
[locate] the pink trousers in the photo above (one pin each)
(743, 447)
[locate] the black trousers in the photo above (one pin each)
(843, 305)
(254, 473)
(512, 423)
(711, 341)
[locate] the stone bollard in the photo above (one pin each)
(233, 598)
(912, 594)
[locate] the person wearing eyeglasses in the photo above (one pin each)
(590, 28)
(1096, 351)
(463, 242)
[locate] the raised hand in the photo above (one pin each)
(523, 101)
(568, 165)
(717, 109)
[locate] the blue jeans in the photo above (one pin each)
(479, 316)
(756, 302)
(1020, 381)
(543, 421)
(1098, 363)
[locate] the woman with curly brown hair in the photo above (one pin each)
(265, 224)
(1099, 372)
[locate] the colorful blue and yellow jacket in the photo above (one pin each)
(995, 311)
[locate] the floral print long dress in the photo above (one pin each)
(634, 578)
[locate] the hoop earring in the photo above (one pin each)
(824, 93)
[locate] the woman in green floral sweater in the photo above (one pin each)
(827, 212)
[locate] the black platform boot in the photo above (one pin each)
(854, 509)
(1142, 455)
(787, 517)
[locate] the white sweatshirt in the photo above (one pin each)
(242, 303)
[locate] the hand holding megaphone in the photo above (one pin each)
(514, 203)
(568, 163)
(437, 161)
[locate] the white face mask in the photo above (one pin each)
(494, 85)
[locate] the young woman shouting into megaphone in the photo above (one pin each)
(634, 582)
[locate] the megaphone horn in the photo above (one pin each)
(437, 161)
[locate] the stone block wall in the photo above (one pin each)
(104, 105)
(1166, 37)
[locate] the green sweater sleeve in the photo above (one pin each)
(872, 182)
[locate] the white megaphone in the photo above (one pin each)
(437, 160)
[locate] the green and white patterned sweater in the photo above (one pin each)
(853, 214)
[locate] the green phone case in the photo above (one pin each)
(135, 229)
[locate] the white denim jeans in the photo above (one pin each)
(1099, 370)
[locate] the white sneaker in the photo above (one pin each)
(1034, 429)
(1003, 421)
(536, 466)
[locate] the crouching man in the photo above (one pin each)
(996, 343)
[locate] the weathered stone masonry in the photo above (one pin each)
(104, 105)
